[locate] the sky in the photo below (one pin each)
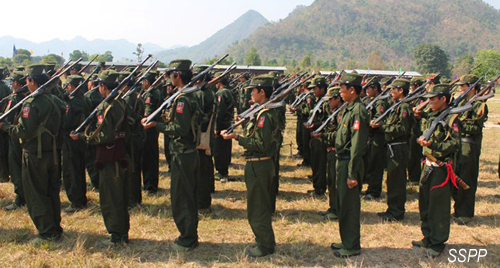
(165, 23)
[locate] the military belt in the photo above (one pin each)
(390, 145)
(255, 159)
(432, 164)
(331, 148)
(188, 151)
(468, 140)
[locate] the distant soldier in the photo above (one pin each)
(95, 99)
(245, 100)
(303, 111)
(4, 137)
(415, 160)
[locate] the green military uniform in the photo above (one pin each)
(350, 143)
(305, 109)
(415, 159)
(95, 99)
(166, 138)
(4, 137)
(260, 144)
(224, 118)
(434, 194)
(397, 132)
(15, 148)
(38, 128)
(73, 152)
(468, 165)
(375, 157)
(299, 130)
(151, 153)
(244, 97)
(185, 161)
(109, 134)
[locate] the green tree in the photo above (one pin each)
(139, 51)
(106, 57)
(463, 65)
(76, 54)
(431, 58)
(227, 61)
(6, 62)
(52, 58)
(375, 61)
(23, 57)
(253, 58)
(307, 60)
(490, 63)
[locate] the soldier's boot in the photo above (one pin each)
(345, 253)
(336, 246)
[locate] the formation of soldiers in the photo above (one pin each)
(349, 130)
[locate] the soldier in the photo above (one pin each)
(245, 99)
(151, 153)
(38, 128)
(281, 116)
(19, 91)
(375, 157)
(73, 152)
(435, 193)
(334, 103)
(468, 165)
(224, 117)
(350, 143)
(415, 159)
(4, 137)
(300, 122)
(185, 161)
(260, 144)
(304, 110)
(397, 132)
(109, 134)
(169, 91)
(95, 99)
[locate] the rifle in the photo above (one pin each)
(460, 182)
(65, 65)
(383, 93)
(152, 85)
(482, 95)
(169, 102)
(87, 65)
(226, 72)
(136, 84)
(330, 118)
(452, 109)
(415, 94)
(273, 102)
(337, 77)
(84, 83)
(315, 111)
(233, 82)
(88, 93)
(39, 90)
(12, 94)
(114, 93)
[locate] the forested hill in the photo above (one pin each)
(350, 30)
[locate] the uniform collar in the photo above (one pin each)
(352, 104)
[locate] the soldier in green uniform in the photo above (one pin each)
(4, 137)
(468, 165)
(350, 142)
(224, 118)
(304, 110)
(169, 91)
(19, 91)
(375, 157)
(73, 152)
(300, 121)
(396, 128)
(38, 128)
(182, 126)
(328, 137)
(151, 153)
(57, 90)
(260, 144)
(415, 159)
(95, 99)
(109, 134)
(318, 148)
(244, 94)
(435, 192)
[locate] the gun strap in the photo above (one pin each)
(256, 119)
(450, 125)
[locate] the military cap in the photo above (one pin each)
(35, 69)
(433, 77)
(50, 67)
(307, 83)
(351, 78)
(94, 78)
(384, 80)
(17, 76)
(77, 67)
(444, 80)
(168, 81)
(151, 76)
(123, 75)
(179, 65)
(417, 80)
(439, 89)
(274, 73)
(19, 68)
(246, 76)
(332, 92)
(74, 80)
(318, 81)
(400, 83)
(108, 77)
(263, 80)
(467, 79)
(198, 69)
(372, 81)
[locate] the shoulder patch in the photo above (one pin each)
(262, 119)
(67, 108)
(356, 124)
(26, 112)
(219, 98)
(8, 105)
(405, 113)
(308, 100)
(180, 108)
(455, 127)
(148, 100)
(100, 119)
(382, 110)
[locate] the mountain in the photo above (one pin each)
(350, 30)
(220, 41)
(122, 49)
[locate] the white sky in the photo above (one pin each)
(166, 23)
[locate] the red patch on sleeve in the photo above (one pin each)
(356, 124)
(100, 119)
(180, 108)
(382, 109)
(26, 112)
(405, 113)
(148, 100)
(219, 98)
(8, 105)
(261, 121)
(308, 101)
(455, 127)
(67, 108)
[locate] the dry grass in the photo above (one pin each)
(303, 237)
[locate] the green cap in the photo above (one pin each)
(17, 76)
(198, 69)
(438, 89)
(108, 77)
(401, 83)
(274, 73)
(19, 68)
(50, 67)
(74, 80)
(372, 81)
(35, 69)
(77, 67)
(151, 76)
(467, 79)
(444, 80)
(168, 81)
(384, 80)
(263, 80)
(332, 92)
(123, 75)
(179, 65)
(318, 81)
(351, 78)
(94, 78)
(417, 80)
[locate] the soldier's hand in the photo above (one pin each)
(148, 125)
(316, 135)
(227, 136)
(373, 125)
(417, 113)
(306, 125)
(423, 142)
(74, 136)
(352, 183)
(293, 109)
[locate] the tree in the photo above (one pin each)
(227, 61)
(490, 63)
(307, 60)
(431, 58)
(253, 58)
(23, 57)
(6, 62)
(53, 59)
(76, 54)
(139, 51)
(464, 64)
(375, 61)
(106, 57)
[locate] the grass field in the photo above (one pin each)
(303, 237)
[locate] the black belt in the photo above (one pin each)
(468, 140)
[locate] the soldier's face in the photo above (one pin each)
(437, 103)
(371, 92)
(347, 93)
(31, 84)
(334, 102)
(397, 93)
(257, 95)
(412, 87)
(318, 92)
